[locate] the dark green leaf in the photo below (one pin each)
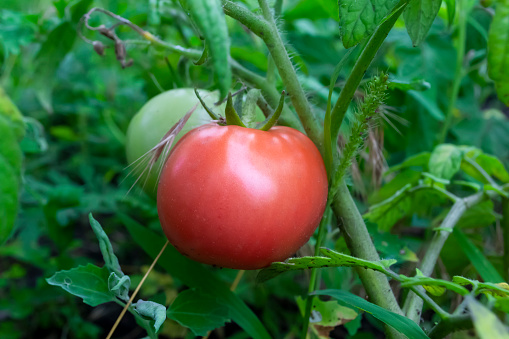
(15, 31)
(418, 160)
(498, 50)
(359, 18)
(398, 322)
(87, 282)
(481, 264)
(196, 276)
(419, 15)
(201, 312)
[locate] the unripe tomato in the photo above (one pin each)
(241, 198)
(155, 118)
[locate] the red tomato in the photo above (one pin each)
(239, 197)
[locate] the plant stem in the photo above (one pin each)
(313, 280)
(136, 292)
(413, 304)
(270, 35)
(505, 229)
(360, 244)
(458, 74)
(345, 97)
(451, 324)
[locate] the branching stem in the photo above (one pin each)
(413, 304)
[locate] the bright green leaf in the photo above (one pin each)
(445, 161)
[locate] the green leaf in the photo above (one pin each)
(110, 259)
(445, 161)
(327, 314)
(195, 276)
(418, 160)
(210, 19)
(398, 322)
(419, 16)
(330, 258)
(493, 166)
(486, 323)
(10, 111)
(10, 174)
(15, 31)
(485, 269)
(359, 18)
(200, 312)
(52, 52)
(152, 310)
(405, 202)
(428, 103)
(479, 215)
(416, 85)
(451, 11)
(498, 50)
(87, 282)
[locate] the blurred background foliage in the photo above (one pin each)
(77, 106)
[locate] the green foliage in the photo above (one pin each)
(200, 312)
(498, 46)
(63, 158)
(399, 322)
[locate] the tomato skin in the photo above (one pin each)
(155, 118)
(241, 198)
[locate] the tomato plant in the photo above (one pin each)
(152, 122)
(239, 197)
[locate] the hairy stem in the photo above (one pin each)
(413, 304)
(360, 244)
(269, 34)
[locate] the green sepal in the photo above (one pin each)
(272, 119)
(203, 58)
(209, 111)
(232, 117)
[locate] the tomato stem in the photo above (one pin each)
(271, 120)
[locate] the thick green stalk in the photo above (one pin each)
(266, 29)
(359, 69)
(413, 304)
(360, 244)
(458, 74)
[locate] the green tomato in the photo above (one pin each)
(153, 121)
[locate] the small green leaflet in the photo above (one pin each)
(419, 16)
(498, 50)
(87, 282)
(500, 290)
(200, 312)
(435, 287)
(359, 18)
(152, 310)
(486, 323)
(445, 161)
(399, 322)
(330, 258)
